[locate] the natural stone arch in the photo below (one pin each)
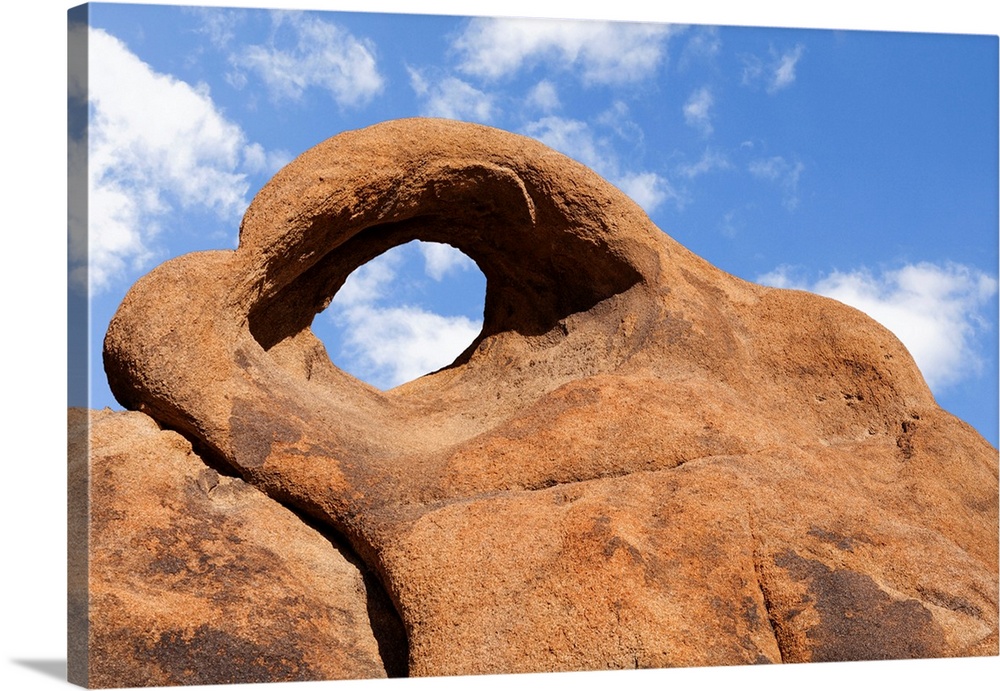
(542, 259)
(552, 239)
(631, 420)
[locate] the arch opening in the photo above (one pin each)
(410, 311)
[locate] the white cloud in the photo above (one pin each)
(577, 140)
(388, 343)
(775, 74)
(696, 110)
(604, 52)
(773, 168)
(368, 283)
(616, 116)
(218, 24)
(441, 259)
(257, 160)
(322, 55)
(784, 173)
(451, 98)
(543, 96)
(709, 161)
(154, 142)
(393, 345)
(704, 44)
(784, 70)
(753, 70)
(936, 310)
(731, 223)
(648, 190)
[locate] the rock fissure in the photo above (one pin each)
(760, 577)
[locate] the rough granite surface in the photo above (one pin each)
(199, 578)
(642, 461)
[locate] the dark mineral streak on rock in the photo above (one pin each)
(857, 619)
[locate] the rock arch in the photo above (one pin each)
(640, 461)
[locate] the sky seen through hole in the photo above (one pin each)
(410, 311)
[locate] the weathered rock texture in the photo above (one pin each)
(641, 461)
(198, 578)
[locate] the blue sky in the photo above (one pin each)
(858, 164)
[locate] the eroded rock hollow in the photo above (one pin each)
(641, 461)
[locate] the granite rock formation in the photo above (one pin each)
(641, 461)
(198, 578)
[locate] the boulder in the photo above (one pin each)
(641, 461)
(196, 577)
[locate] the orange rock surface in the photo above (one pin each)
(642, 461)
(198, 578)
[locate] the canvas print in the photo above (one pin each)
(412, 345)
